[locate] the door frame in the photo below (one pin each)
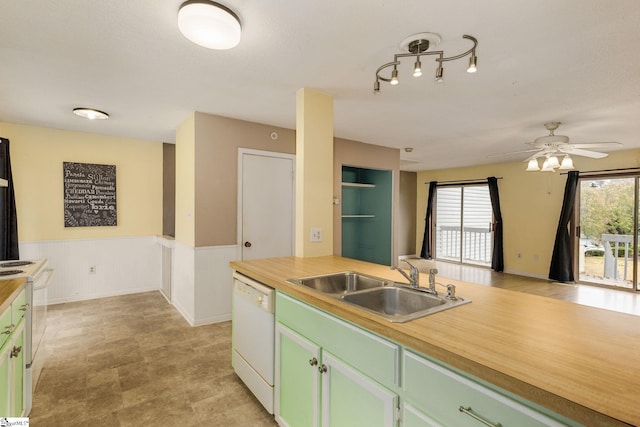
(263, 153)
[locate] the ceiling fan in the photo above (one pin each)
(552, 145)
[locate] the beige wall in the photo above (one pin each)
(217, 140)
(37, 155)
(530, 204)
(406, 222)
(185, 182)
(354, 153)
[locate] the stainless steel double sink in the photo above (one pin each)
(393, 301)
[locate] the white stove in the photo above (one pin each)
(37, 276)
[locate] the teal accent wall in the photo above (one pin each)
(366, 215)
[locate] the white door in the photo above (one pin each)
(267, 209)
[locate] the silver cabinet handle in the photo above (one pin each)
(9, 329)
(467, 410)
(322, 368)
(23, 307)
(15, 352)
(313, 362)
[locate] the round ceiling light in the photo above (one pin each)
(209, 24)
(90, 113)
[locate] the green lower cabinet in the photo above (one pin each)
(309, 378)
(16, 360)
(351, 399)
(5, 351)
(452, 399)
(413, 417)
(297, 388)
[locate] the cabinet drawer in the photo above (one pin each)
(441, 393)
(18, 308)
(5, 326)
(371, 354)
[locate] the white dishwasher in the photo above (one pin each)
(253, 328)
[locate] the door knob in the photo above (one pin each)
(247, 244)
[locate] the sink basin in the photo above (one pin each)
(400, 304)
(340, 283)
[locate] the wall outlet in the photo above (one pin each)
(92, 269)
(316, 234)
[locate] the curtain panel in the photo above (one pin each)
(561, 268)
(8, 216)
(497, 257)
(427, 248)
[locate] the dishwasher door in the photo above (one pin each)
(253, 329)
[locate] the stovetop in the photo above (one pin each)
(27, 269)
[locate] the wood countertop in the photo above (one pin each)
(581, 362)
(9, 290)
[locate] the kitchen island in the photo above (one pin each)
(580, 362)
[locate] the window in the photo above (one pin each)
(463, 224)
(608, 230)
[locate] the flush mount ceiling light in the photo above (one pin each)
(90, 113)
(416, 46)
(209, 24)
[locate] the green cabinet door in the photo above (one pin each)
(412, 417)
(351, 399)
(4, 379)
(17, 368)
(296, 376)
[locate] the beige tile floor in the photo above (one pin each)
(134, 361)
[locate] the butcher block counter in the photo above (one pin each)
(9, 289)
(581, 362)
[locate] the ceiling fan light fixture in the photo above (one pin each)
(567, 163)
(209, 24)
(533, 165)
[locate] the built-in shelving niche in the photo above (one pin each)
(366, 214)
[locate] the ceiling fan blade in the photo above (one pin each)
(597, 145)
(531, 150)
(540, 153)
(584, 153)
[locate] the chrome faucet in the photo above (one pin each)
(432, 280)
(414, 274)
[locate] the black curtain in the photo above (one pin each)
(497, 258)
(427, 250)
(8, 217)
(561, 268)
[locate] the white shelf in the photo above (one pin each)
(358, 216)
(356, 184)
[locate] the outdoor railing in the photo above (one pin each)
(476, 244)
(614, 244)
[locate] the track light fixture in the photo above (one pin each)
(417, 45)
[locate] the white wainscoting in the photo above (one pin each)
(202, 283)
(122, 266)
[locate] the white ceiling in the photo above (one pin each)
(574, 61)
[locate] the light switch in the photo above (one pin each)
(316, 234)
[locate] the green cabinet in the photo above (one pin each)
(12, 363)
(453, 399)
(330, 372)
(320, 370)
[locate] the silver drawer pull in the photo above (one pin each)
(9, 329)
(477, 417)
(23, 307)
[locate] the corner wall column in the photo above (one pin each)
(314, 172)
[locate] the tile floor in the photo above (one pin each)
(134, 361)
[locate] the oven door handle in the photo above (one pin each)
(42, 283)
